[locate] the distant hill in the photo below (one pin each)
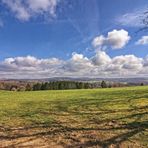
(135, 80)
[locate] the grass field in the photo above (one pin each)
(107, 118)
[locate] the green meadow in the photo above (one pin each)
(103, 118)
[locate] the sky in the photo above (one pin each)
(73, 38)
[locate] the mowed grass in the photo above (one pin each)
(115, 117)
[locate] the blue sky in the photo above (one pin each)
(63, 28)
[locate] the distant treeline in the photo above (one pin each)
(61, 85)
(57, 85)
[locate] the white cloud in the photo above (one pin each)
(116, 39)
(41, 6)
(133, 18)
(24, 10)
(100, 65)
(101, 58)
(99, 41)
(146, 61)
(77, 64)
(142, 41)
(19, 10)
(128, 62)
(28, 64)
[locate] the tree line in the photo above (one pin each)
(62, 85)
(59, 85)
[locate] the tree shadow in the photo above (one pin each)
(130, 129)
(111, 124)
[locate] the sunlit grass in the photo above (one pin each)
(112, 111)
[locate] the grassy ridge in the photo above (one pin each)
(98, 117)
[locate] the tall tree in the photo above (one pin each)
(103, 84)
(28, 87)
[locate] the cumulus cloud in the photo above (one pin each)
(99, 41)
(126, 65)
(100, 65)
(26, 66)
(101, 58)
(115, 39)
(77, 64)
(24, 10)
(142, 41)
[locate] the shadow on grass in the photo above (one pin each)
(134, 128)
(130, 129)
(101, 120)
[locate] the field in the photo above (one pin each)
(103, 118)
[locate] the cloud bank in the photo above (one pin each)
(100, 65)
(25, 10)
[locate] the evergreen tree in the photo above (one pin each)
(103, 84)
(37, 86)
